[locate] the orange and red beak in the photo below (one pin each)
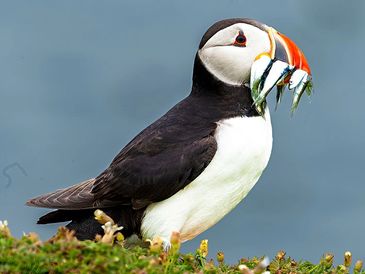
(284, 49)
(284, 65)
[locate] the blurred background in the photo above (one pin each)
(79, 79)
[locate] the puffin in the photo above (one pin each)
(187, 170)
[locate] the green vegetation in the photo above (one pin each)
(65, 254)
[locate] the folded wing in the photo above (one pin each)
(157, 163)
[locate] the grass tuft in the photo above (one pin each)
(63, 253)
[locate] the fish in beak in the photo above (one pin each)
(284, 66)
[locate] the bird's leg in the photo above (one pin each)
(160, 243)
(166, 244)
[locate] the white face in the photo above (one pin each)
(231, 62)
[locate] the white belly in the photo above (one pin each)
(243, 151)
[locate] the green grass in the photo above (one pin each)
(65, 254)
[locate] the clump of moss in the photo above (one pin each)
(65, 254)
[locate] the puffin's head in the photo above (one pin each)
(247, 52)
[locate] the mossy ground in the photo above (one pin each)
(65, 254)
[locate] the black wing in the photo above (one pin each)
(157, 163)
(160, 161)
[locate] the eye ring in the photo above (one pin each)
(240, 40)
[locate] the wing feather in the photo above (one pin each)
(157, 163)
(75, 197)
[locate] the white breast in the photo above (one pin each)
(244, 148)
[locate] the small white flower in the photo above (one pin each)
(244, 269)
(3, 224)
(110, 228)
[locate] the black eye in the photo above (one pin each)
(240, 40)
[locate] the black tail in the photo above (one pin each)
(85, 225)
